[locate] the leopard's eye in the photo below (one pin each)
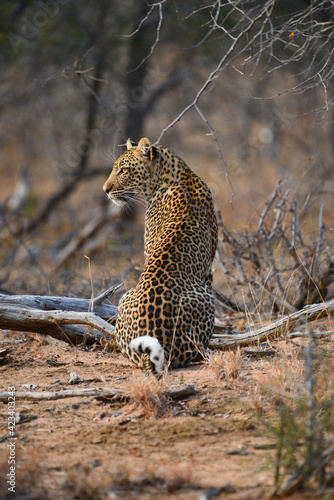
(121, 171)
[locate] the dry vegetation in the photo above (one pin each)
(260, 423)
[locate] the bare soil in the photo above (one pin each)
(87, 448)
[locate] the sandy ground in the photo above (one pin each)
(86, 448)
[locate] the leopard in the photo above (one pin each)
(167, 320)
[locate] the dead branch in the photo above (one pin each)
(173, 393)
(274, 259)
(227, 235)
(104, 296)
(86, 233)
(35, 320)
(180, 392)
(316, 335)
(274, 330)
(50, 303)
(67, 393)
(33, 313)
(268, 206)
(319, 241)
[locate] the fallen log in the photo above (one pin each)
(25, 313)
(66, 393)
(20, 313)
(173, 393)
(50, 322)
(49, 303)
(277, 329)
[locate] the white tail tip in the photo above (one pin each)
(152, 347)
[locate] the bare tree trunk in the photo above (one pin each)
(137, 70)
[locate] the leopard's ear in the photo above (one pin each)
(144, 146)
(144, 149)
(129, 144)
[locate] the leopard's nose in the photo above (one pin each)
(106, 189)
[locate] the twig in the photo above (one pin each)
(282, 301)
(103, 106)
(276, 225)
(84, 234)
(157, 37)
(240, 270)
(228, 236)
(251, 22)
(268, 206)
(105, 295)
(226, 303)
(214, 137)
(319, 242)
(301, 239)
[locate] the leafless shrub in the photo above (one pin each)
(279, 265)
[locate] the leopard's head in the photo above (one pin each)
(133, 173)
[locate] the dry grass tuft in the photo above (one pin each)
(284, 376)
(256, 399)
(225, 365)
(150, 393)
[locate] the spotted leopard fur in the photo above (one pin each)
(173, 300)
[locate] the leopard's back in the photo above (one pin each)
(173, 299)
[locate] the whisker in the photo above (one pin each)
(127, 191)
(112, 155)
(107, 158)
(140, 203)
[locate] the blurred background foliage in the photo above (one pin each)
(252, 85)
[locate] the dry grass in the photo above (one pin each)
(93, 481)
(302, 424)
(283, 378)
(89, 483)
(28, 474)
(171, 478)
(86, 482)
(255, 398)
(150, 394)
(225, 365)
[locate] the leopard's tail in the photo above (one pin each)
(152, 347)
